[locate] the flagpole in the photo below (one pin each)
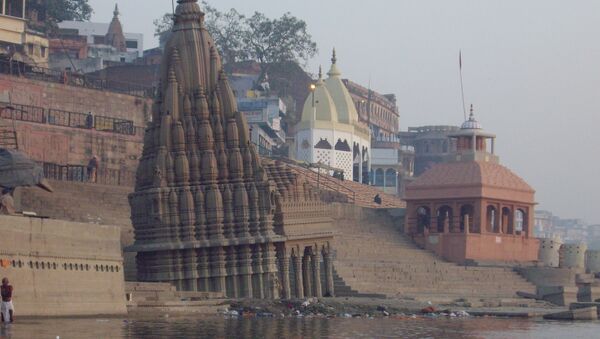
(462, 89)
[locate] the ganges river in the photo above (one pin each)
(219, 327)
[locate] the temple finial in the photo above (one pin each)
(320, 72)
(471, 115)
(116, 12)
(333, 58)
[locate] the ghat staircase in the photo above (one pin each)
(143, 297)
(373, 258)
(356, 193)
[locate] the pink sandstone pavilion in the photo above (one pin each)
(471, 207)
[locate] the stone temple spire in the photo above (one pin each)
(202, 202)
(114, 36)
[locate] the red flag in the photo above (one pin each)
(460, 59)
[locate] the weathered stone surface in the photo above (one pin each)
(589, 313)
(62, 268)
(558, 295)
(208, 214)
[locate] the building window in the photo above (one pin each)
(43, 51)
(15, 8)
(30, 49)
(379, 177)
(390, 177)
(131, 44)
(99, 40)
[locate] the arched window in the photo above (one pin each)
(379, 177)
(444, 216)
(390, 177)
(466, 218)
(507, 223)
(520, 221)
(491, 219)
(423, 218)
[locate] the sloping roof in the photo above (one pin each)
(469, 179)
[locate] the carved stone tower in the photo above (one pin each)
(114, 36)
(203, 206)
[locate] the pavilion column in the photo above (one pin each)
(329, 289)
(306, 275)
(316, 271)
(446, 224)
(498, 218)
(220, 282)
(360, 164)
(299, 275)
(474, 143)
(285, 276)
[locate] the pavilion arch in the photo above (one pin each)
(520, 221)
(379, 177)
(423, 218)
(507, 221)
(390, 177)
(467, 217)
(444, 214)
(491, 222)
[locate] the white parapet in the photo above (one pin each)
(549, 251)
(572, 255)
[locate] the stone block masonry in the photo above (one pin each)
(61, 268)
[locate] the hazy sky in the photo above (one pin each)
(531, 68)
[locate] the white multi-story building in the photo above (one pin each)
(330, 132)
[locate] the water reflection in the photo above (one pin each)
(218, 327)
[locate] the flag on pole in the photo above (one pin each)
(460, 59)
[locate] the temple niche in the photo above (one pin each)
(208, 214)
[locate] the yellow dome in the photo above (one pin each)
(341, 97)
(324, 107)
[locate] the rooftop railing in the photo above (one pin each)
(21, 69)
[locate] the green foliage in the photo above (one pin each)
(256, 38)
(51, 12)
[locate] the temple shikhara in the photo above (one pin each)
(208, 214)
(471, 207)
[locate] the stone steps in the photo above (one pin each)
(372, 257)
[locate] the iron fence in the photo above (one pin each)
(69, 119)
(21, 69)
(79, 173)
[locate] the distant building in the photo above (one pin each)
(91, 46)
(379, 111)
(263, 111)
(430, 145)
(17, 41)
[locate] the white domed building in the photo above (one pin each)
(330, 133)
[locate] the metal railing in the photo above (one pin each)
(69, 119)
(21, 69)
(79, 173)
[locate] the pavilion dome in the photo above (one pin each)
(343, 101)
(324, 105)
(471, 123)
(469, 179)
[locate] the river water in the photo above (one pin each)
(218, 327)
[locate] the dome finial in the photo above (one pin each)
(116, 12)
(333, 58)
(471, 116)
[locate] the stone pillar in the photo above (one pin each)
(246, 272)
(307, 275)
(285, 275)
(446, 224)
(327, 260)
(360, 165)
(298, 274)
(316, 272)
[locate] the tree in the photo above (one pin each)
(51, 12)
(256, 38)
(278, 40)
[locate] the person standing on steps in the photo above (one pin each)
(7, 308)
